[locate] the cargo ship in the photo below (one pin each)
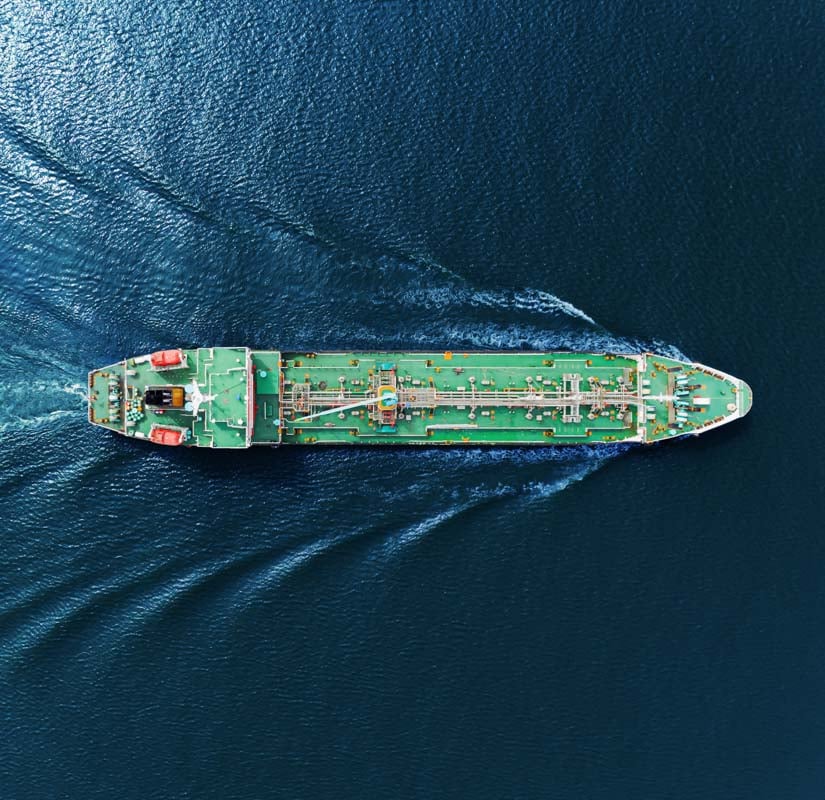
(235, 397)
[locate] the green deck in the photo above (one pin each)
(239, 397)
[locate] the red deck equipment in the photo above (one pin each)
(166, 358)
(170, 436)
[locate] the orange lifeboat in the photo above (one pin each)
(167, 359)
(169, 436)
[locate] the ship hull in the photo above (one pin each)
(234, 397)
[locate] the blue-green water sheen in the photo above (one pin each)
(640, 623)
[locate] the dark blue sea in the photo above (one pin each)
(618, 624)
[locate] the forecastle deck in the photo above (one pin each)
(234, 397)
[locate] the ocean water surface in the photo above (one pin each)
(588, 623)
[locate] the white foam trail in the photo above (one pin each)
(543, 489)
(30, 398)
(459, 501)
(528, 492)
(490, 336)
(535, 301)
(19, 423)
(456, 291)
(546, 303)
(76, 389)
(420, 529)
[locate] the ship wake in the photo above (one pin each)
(40, 402)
